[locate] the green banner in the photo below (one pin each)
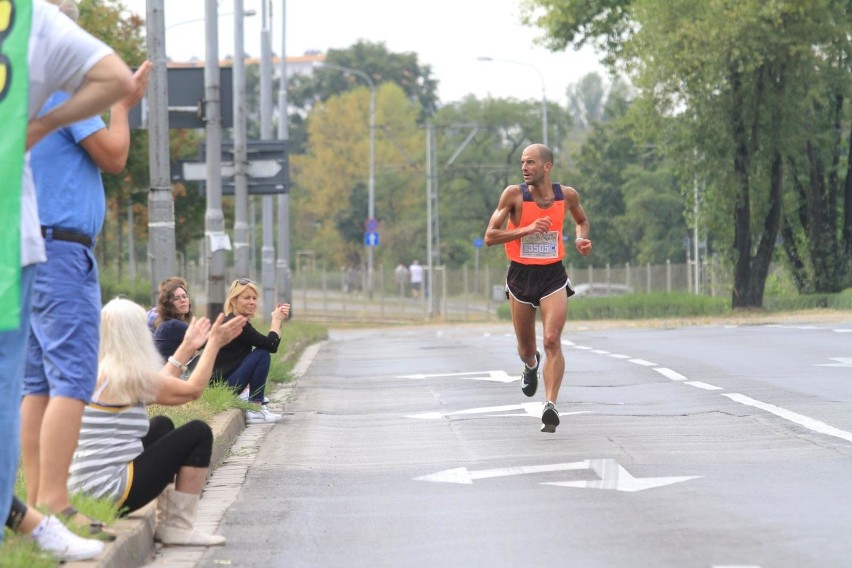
(15, 18)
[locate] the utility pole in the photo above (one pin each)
(161, 206)
(283, 264)
(241, 225)
(432, 245)
(215, 241)
(268, 249)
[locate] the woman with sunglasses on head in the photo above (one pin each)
(245, 361)
(174, 312)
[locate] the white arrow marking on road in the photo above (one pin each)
(615, 477)
(612, 475)
(530, 408)
(841, 362)
(464, 476)
(498, 376)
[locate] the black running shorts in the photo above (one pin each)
(530, 283)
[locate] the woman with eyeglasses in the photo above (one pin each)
(174, 312)
(245, 361)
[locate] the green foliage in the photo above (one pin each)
(113, 286)
(794, 302)
(639, 306)
(753, 98)
(379, 64)
(295, 337)
(21, 551)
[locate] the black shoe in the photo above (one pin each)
(529, 378)
(549, 418)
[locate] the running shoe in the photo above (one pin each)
(529, 378)
(549, 418)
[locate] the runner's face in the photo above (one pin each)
(532, 167)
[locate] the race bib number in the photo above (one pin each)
(540, 245)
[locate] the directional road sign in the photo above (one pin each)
(267, 167)
(371, 239)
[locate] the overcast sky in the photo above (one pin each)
(449, 35)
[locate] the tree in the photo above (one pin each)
(108, 21)
(379, 64)
(329, 196)
(729, 75)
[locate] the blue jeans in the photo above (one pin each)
(12, 349)
(252, 372)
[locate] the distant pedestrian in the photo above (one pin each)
(416, 272)
(401, 275)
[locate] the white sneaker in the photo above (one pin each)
(245, 396)
(54, 537)
(262, 416)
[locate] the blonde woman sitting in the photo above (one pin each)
(245, 361)
(124, 456)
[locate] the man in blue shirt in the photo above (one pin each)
(62, 356)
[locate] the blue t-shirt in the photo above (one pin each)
(69, 187)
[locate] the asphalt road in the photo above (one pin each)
(708, 446)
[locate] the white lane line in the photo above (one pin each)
(600, 351)
(618, 356)
(809, 423)
(841, 330)
(642, 362)
(668, 373)
(702, 385)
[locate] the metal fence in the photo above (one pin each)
(463, 294)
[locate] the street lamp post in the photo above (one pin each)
(246, 13)
(371, 189)
(543, 95)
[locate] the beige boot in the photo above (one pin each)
(179, 520)
(163, 504)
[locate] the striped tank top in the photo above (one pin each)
(110, 439)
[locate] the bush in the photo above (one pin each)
(681, 305)
(137, 289)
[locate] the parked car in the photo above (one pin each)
(600, 290)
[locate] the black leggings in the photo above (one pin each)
(166, 450)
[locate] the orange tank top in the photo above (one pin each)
(539, 249)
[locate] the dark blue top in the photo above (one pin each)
(168, 336)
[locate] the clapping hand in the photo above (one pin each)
(223, 333)
(196, 333)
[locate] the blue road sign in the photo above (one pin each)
(371, 239)
(477, 242)
(372, 225)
